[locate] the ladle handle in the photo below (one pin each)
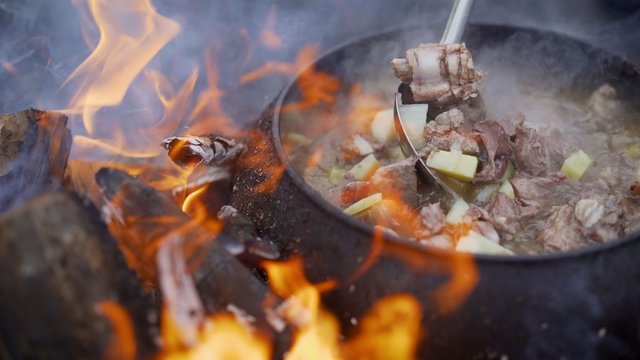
(457, 22)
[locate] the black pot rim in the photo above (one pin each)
(316, 199)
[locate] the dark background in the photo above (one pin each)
(42, 39)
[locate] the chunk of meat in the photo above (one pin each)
(600, 216)
(398, 180)
(355, 191)
(431, 219)
(531, 153)
(446, 132)
(594, 218)
(497, 147)
(431, 228)
(562, 231)
(604, 102)
(439, 73)
(531, 192)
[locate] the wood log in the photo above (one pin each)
(58, 263)
(141, 218)
(34, 148)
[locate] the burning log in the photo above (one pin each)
(34, 148)
(143, 220)
(205, 150)
(59, 269)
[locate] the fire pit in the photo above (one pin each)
(561, 305)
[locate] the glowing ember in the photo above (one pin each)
(123, 345)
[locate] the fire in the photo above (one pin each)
(223, 337)
(391, 329)
(208, 115)
(315, 86)
(120, 55)
(269, 37)
(195, 206)
(123, 345)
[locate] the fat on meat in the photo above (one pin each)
(439, 73)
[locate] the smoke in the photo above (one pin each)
(42, 41)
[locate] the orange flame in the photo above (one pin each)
(120, 55)
(123, 345)
(271, 39)
(208, 115)
(391, 329)
(222, 337)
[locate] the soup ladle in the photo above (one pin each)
(403, 102)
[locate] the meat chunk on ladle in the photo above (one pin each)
(437, 74)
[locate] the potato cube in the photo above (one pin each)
(455, 164)
(365, 168)
(478, 244)
(507, 189)
(457, 211)
(382, 127)
(363, 204)
(576, 164)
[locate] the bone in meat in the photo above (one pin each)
(439, 73)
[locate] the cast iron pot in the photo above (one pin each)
(581, 304)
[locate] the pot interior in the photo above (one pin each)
(546, 76)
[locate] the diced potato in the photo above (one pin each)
(414, 119)
(576, 164)
(396, 153)
(478, 244)
(363, 204)
(382, 127)
(483, 194)
(297, 139)
(508, 174)
(634, 151)
(336, 175)
(365, 168)
(362, 145)
(455, 164)
(507, 189)
(457, 211)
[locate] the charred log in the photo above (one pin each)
(205, 150)
(58, 264)
(34, 148)
(143, 219)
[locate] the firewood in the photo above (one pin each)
(34, 148)
(58, 263)
(142, 219)
(202, 150)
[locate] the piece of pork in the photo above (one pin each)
(398, 180)
(562, 231)
(531, 153)
(594, 218)
(431, 227)
(497, 148)
(355, 191)
(446, 132)
(532, 191)
(439, 73)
